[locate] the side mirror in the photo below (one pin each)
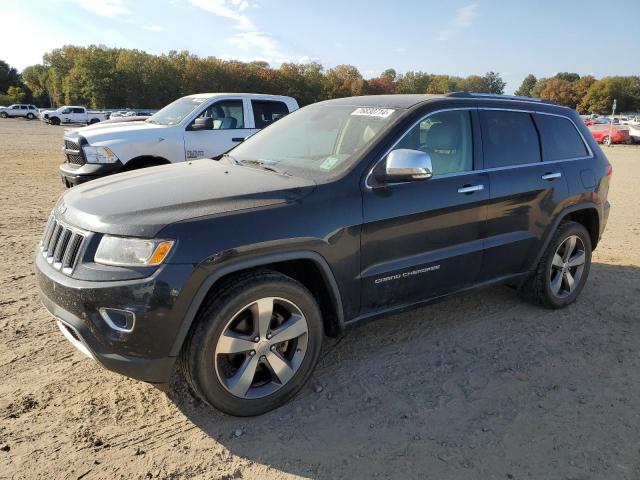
(404, 165)
(202, 123)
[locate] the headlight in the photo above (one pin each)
(132, 252)
(99, 155)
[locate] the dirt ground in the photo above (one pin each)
(478, 387)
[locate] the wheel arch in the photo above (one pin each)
(586, 213)
(143, 161)
(307, 267)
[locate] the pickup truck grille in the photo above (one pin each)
(74, 153)
(61, 245)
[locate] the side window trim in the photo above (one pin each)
(477, 141)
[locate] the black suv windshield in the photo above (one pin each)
(315, 141)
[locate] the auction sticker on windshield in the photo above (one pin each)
(372, 112)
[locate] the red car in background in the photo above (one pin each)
(601, 134)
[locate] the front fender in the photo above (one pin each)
(214, 276)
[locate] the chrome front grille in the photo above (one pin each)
(61, 245)
(74, 153)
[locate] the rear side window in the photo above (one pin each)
(508, 138)
(266, 112)
(559, 137)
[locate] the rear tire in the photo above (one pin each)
(606, 141)
(563, 269)
(3, 115)
(30, 116)
(259, 375)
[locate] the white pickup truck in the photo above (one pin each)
(193, 127)
(72, 114)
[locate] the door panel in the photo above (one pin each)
(421, 239)
(521, 207)
(525, 192)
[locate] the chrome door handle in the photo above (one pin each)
(551, 176)
(470, 188)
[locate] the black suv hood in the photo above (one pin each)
(142, 202)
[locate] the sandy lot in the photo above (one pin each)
(479, 387)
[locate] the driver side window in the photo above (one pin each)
(446, 137)
(226, 115)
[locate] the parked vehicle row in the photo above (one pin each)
(192, 127)
(345, 210)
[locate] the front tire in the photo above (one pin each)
(562, 271)
(54, 121)
(254, 344)
(607, 141)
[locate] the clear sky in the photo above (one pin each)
(457, 37)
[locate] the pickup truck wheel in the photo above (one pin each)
(54, 121)
(564, 267)
(93, 120)
(606, 140)
(254, 345)
(3, 115)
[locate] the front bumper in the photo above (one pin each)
(73, 175)
(144, 353)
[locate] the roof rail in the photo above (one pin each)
(498, 96)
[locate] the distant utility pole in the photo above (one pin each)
(613, 112)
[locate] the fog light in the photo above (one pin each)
(120, 320)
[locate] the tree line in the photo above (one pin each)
(99, 76)
(586, 94)
(103, 77)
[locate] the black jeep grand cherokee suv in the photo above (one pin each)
(344, 210)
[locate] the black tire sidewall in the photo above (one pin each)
(567, 231)
(211, 326)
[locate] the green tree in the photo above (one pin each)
(36, 78)
(8, 76)
(568, 76)
(16, 94)
(413, 82)
(526, 86)
(493, 83)
(601, 94)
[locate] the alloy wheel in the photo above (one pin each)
(261, 347)
(567, 266)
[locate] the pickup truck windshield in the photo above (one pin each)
(173, 113)
(316, 141)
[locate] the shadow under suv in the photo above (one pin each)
(344, 210)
